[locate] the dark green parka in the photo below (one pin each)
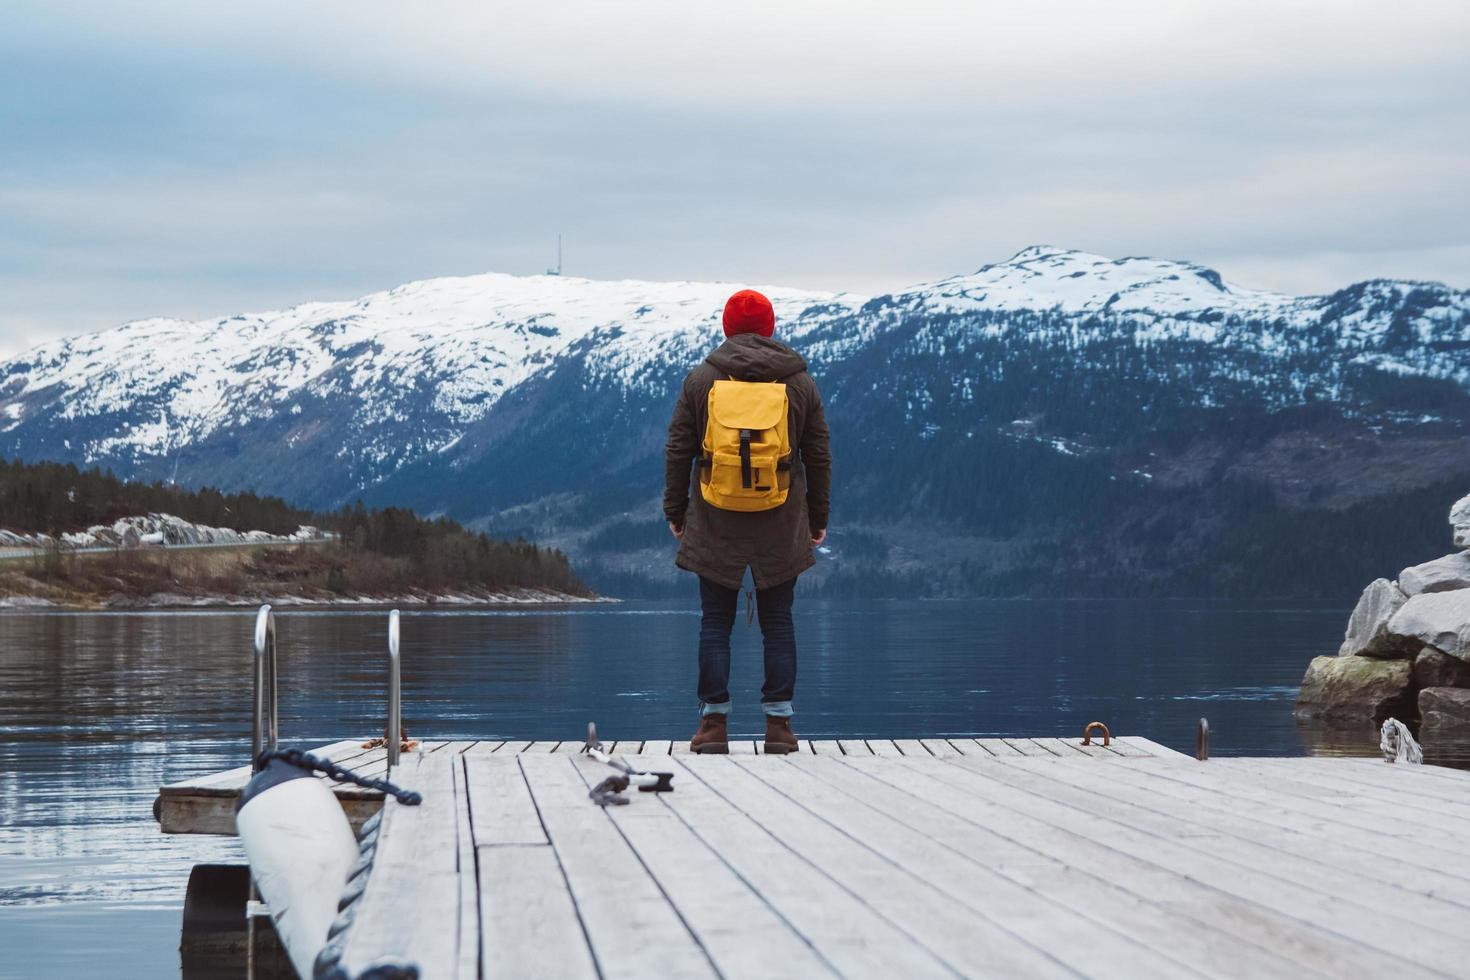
(775, 544)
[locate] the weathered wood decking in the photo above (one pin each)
(934, 857)
(206, 805)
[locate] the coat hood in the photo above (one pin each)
(751, 357)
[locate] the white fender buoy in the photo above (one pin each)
(301, 849)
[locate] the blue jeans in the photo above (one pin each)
(719, 604)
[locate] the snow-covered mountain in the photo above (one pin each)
(536, 404)
(149, 389)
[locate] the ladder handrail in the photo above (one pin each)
(393, 735)
(265, 718)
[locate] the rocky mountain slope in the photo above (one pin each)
(1058, 423)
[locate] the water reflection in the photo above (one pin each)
(99, 709)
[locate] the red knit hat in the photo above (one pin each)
(749, 312)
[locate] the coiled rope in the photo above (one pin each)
(1398, 744)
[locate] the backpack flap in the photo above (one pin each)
(753, 405)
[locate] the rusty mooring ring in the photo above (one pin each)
(1087, 733)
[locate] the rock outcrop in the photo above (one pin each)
(1443, 708)
(1356, 689)
(1441, 575)
(1367, 630)
(1435, 669)
(1460, 521)
(1440, 619)
(1406, 650)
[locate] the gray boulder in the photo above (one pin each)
(1460, 521)
(1444, 707)
(1440, 619)
(1441, 575)
(1355, 689)
(1367, 629)
(1435, 669)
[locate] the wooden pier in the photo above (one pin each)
(912, 858)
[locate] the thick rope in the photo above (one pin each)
(1398, 744)
(337, 774)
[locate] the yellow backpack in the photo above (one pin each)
(746, 464)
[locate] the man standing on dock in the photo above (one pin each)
(750, 419)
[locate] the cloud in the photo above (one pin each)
(195, 160)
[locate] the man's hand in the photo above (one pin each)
(819, 537)
(677, 530)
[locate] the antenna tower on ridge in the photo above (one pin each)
(557, 270)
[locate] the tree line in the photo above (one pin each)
(377, 549)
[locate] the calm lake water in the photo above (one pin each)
(98, 709)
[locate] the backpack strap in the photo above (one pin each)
(745, 479)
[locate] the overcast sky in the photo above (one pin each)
(193, 159)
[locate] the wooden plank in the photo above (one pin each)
(1393, 862)
(1223, 864)
(1371, 825)
(453, 748)
(1136, 746)
(1069, 747)
(484, 748)
(742, 746)
(1298, 854)
(542, 748)
(1051, 747)
(839, 922)
(1026, 747)
(1406, 806)
(231, 781)
(467, 867)
(995, 747)
(528, 921)
(1187, 882)
(627, 748)
(216, 815)
(412, 889)
(962, 941)
(633, 930)
(1058, 748)
(1437, 798)
(657, 747)
(741, 934)
(1216, 933)
(1460, 776)
(206, 805)
(375, 768)
(513, 748)
(806, 746)
(911, 746)
(969, 746)
(939, 747)
(883, 747)
(501, 810)
(1013, 912)
(854, 746)
(826, 747)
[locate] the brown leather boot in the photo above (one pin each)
(779, 738)
(711, 739)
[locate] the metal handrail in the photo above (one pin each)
(265, 718)
(394, 733)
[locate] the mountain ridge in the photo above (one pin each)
(493, 398)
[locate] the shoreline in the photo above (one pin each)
(164, 601)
